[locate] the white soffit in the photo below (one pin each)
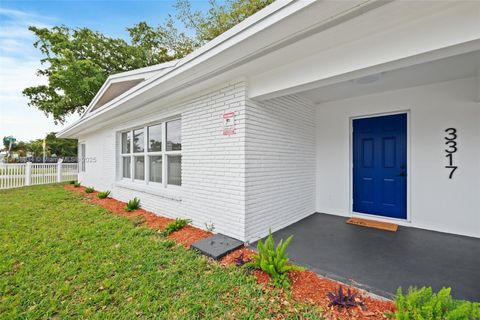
(114, 90)
(456, 67)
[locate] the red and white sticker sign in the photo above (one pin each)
(228, 123)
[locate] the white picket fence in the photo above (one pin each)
(16, 175)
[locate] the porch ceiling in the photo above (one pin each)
(456, 67)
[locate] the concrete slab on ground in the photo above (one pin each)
(217, 246)
(381, 261)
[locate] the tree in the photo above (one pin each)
(78, 60)
(219, 18)
(54, 146)
(60, 147)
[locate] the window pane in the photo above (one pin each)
(126, 142)
(156, 168)
(126, 167)
(138, 142)
(175, 170)
(139, 173)
(82, 148)
(155, 138)
(174, 135)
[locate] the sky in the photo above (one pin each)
(19, 60)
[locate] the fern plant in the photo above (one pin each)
(103, 194)
(133, 204)
(76, 184)
(424, 304)
(89, 189)
(176, 225)
(274, 260)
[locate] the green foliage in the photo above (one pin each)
(53, 146)
(58, 146)
(78, 60)
(77, 184)
(219, 18)
(89, 189)
(75, 260)
(133, 204)
(176, 225)
(72, 181)
(424, 304)
(103, 194)
(274, 260)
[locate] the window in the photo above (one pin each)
(153, 153)
(81, 157)
(126, 163)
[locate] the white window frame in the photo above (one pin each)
(147, 154)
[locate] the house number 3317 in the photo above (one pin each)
(451, 143)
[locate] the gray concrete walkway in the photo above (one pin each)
(381, 261)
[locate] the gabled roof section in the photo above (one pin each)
(118, 84)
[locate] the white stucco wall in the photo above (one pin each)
(280, 163)
(213, 171)
(436, 203)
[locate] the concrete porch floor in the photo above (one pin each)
(381, 261)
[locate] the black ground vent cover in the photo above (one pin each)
(217, 246)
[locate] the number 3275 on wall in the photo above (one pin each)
(451, 143)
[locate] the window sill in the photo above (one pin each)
(173, 193)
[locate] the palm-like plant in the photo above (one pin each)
(274, 260)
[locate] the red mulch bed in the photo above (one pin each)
(185, 236)
(306, 286)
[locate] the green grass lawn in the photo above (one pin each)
(63, 258)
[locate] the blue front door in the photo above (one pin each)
(380, 165)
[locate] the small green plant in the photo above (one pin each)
(176, 225)
(424, 304)
(77, 184)
(103, 194)
(89, 189)
(209, 226)
(274, 261)
(72, 182)
(133, 204)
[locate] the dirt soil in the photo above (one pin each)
(306, 286)
(185, 236)
(310, 288)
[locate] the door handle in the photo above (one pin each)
(402, 174)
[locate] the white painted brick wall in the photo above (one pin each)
(262, 177)
(280, 163)
(213, 165)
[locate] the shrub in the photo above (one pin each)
(425, 304)
(240, 260)
(103, 194)
(274, 261)
(133, 204)
(176, 225)
(72, 182)
(343, 300)
(89, 189)
(76, 184)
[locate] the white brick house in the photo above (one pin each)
(298, 77)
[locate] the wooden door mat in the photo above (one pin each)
(373, 224)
